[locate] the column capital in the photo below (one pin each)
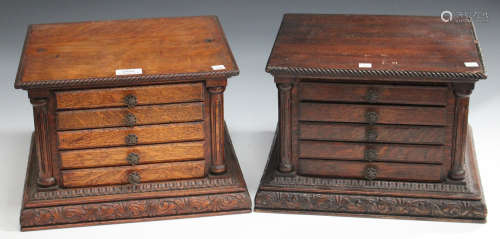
(463, 89)
(284, 86)
(216, 89)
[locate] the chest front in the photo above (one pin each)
(374, 131)
(130, 134)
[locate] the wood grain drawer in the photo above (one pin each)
(120, 156)
(140, 115)
(142, 95)
(371, 171)
(121, 175)
(149, 134)
(373, 152)
(338, 92)
(383, 114)
(373, 133)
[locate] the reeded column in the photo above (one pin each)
(285, 122)
(217, 128)
(462, 93)
(42, 139)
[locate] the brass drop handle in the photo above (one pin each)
(133, 158)
(131, 139)
(130, 100)
(371, 117)
(371, 95)
(134, 178)
(370, 154)
(370, 172)
(130, 119)
(371, 134)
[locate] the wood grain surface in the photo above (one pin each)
(384, 152)
(149, 134)
(145, 95)
(119, 175)
(383, 133)
(143, 115)
(338, 92)
(386, 171)
(81, 50)
(88, 158)
(398, 43)
(408, 115)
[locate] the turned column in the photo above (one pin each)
(285, 122)
(217, 128)
(462, 93)
(42, 139)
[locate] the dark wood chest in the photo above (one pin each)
(373, 112)
(129, 109)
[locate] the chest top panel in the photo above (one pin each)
(91, 52)
(370, 45)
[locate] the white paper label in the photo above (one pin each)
(124, 72)
(365, 65)
(471, 64)
(218, 67)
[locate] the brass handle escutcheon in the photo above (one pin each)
(130, 100)
(130, 120)
(371, 95)
(371, 117)
(131, 139)
(370, 172)
(370, 154)
(133, 158)
(371, 134)
(134, 178)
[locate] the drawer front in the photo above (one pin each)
(128, 174)
(149, 134)
(373, 152)
(383, 114)
(371, 171)
(373, 133)
(135, 155)
(338, 92)
(140, 95)
(140, 115)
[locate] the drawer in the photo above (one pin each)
(148, 134)
(371, 171)
(129, 96)
(140, 115)
(373, 152)
(120, 156)
(128, 174)
(380, 114)
(373, 133)
(338, 92)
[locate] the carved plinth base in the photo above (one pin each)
(213, 195)
(449, 201)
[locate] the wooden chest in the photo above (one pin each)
(129, 109)
(373, 110)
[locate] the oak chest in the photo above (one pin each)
(129, 109)
(373, 115)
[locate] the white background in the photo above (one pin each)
(251, 114)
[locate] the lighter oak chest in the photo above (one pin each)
(128, 109)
